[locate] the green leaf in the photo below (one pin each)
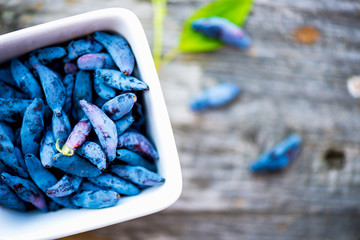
(234, 10)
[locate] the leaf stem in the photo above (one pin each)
(160, 9)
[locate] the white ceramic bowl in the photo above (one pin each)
(38, 225)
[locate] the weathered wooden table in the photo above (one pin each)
(287, 87)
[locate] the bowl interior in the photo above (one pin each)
(38, 225)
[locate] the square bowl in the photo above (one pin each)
(64, 222)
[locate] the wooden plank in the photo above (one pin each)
(235, 225)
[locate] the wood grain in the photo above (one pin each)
(228, 226)
(287, 87)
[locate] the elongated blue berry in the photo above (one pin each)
(103, 90)
(65, 186)
(215, 96)
(45, 55)
(120, 81)
(68, 81)
(53, 88)
(137, 175)
(47, 148)
(118, 49)
(104, 128)
(26, 190)
(80, 47)
(223, 30)
(82, 90)
(61, 127)
(96, 199)
(12, 110)
(41, 176)
(94, 61)
(44, 179)
(32, 127)
(75, 165)
(119, 106)
(25, 79)
(134, 159)
(77, 136)
(111, 182)
(278, 157)
(124, 123)
(93, 152)
(138, 143)
(9, 199)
